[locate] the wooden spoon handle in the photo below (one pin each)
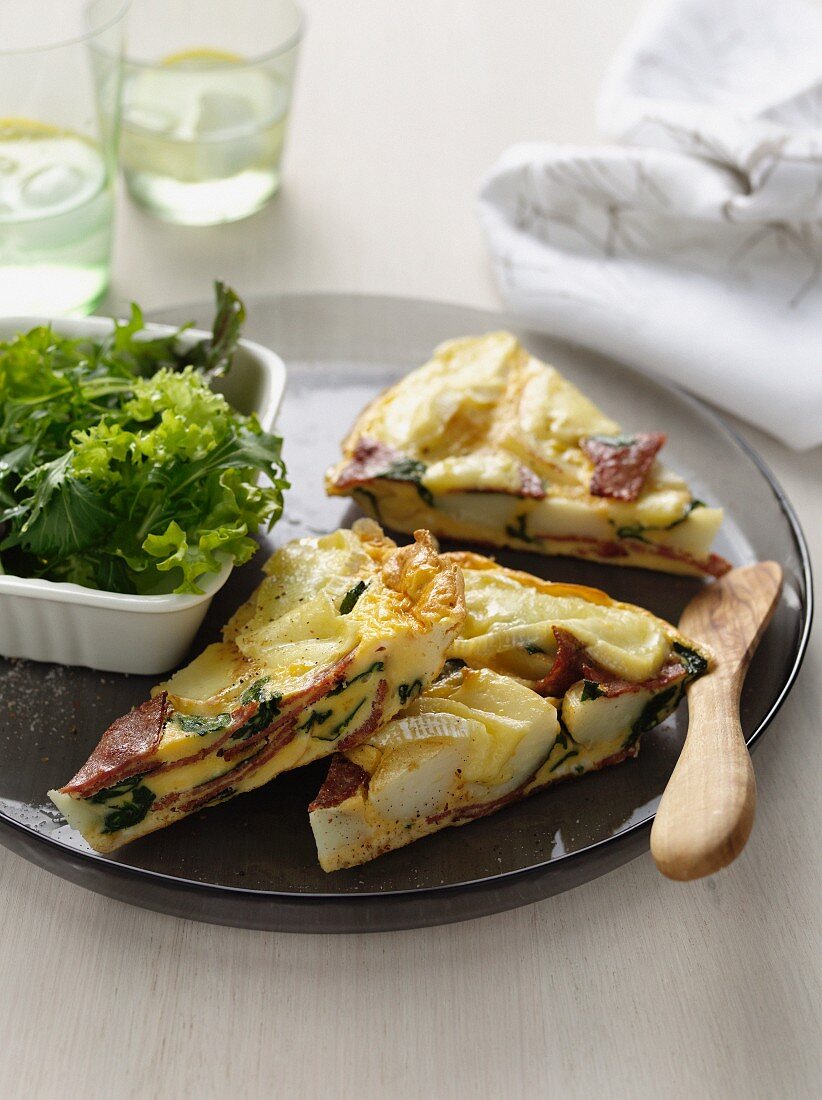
(707, 811)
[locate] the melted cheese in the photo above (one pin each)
(505, 614)
(482, 735)
(472, 741)
(450, 403)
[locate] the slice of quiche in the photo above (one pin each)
(340, 634)
(544, 681)
(487, 443)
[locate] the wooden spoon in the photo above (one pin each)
(707, 810)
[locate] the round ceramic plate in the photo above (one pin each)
(251, 861)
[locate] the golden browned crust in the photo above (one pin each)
(466, 559)
(374, 540)
(430, 585)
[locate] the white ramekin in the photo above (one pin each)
(66, 623)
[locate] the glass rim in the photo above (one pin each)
(74, 40)
(287, 44)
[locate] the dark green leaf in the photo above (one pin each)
(371, 502)
(562, 759)
(452, 665)
(201, 724)
(267, 711)
(73, 518)
(632, 531)
(19, 459)
(409, 469)
(349, 600)
(131, 812)
(255, 692)
(226, 332)
(344, 685)
(637, 531)
(315, 718)
(590, 690)
(657, 708)
(518, 530)
(117, 791)
(408, 691)
(340, 727)
(694, 662)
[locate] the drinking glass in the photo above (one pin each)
(206, 95)
(59, 91)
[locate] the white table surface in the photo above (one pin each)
(630, 986)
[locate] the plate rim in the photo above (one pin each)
(101, 867)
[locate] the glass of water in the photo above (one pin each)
(59, 90)
(206, 95)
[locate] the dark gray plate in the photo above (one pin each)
(251, 862)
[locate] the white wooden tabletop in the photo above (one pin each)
(630, 986)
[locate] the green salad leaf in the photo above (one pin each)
(120, 467)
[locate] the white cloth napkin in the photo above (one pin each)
(693, 249)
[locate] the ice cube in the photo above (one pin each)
(153, 119)
(9, 169)
(51, 186)
(221, 111)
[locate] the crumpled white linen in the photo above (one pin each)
(693, 249)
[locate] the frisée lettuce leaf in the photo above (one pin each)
(120, 467)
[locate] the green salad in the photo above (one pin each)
(121, 468)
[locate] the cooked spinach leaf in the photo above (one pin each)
(315, 718)
(372, 500)
(452, 665)
(657, 708)
(695, 664)
(590, 690)
(349, 600)
(408, 691)
(344, 685)
(201, 724)
(567, 756)
(637, 530)
(267, 711)
(131, 812)
(518, 531)
(117, 791)
(335, 731)
(565, 741)
(254, 692)
(409, 469)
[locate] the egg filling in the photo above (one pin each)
(544, 681)
(342, 632)
(486, 443)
